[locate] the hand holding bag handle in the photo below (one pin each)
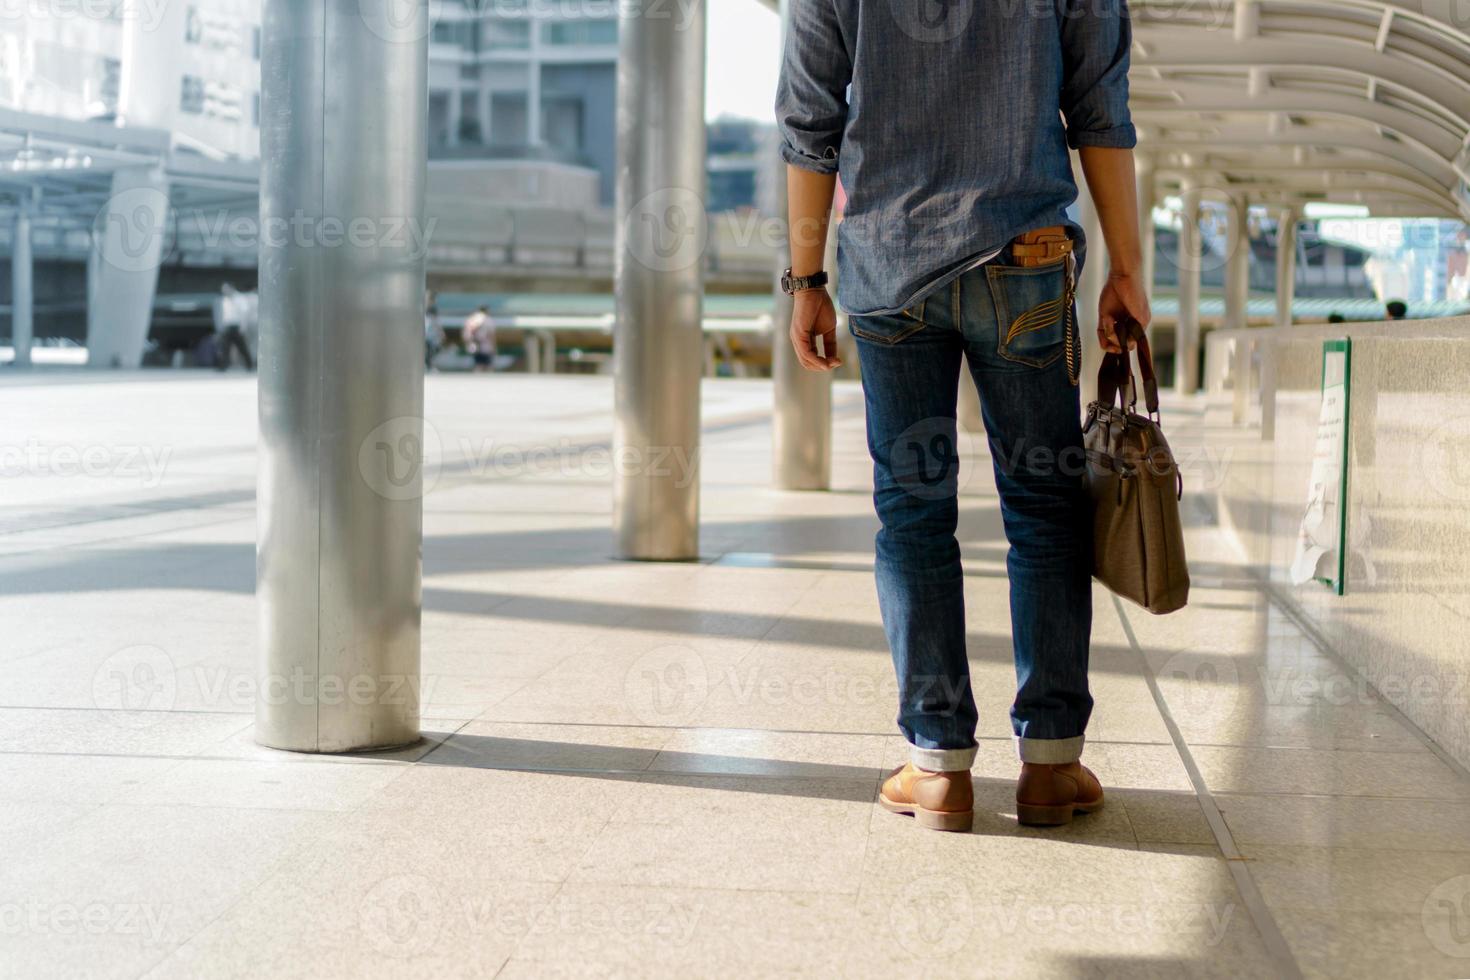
(1115, 374)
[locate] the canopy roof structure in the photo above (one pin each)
(1294, 101)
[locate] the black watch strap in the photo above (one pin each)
(795, 284)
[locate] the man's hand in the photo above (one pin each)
(1123, 299)
(813, 316)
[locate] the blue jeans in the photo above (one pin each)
(1007, 322)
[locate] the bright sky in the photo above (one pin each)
(743, 60)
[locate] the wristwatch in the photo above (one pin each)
(795, 284)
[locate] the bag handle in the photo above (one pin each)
(1115, 374)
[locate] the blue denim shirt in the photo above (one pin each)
(949, 122)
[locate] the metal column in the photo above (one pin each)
(661, 235)
(801, 423)
(1186, 335)
(1237, 266)
(342, 435)
(1147, 237)
(22, 293)
(1287, 219)
(1089, 285)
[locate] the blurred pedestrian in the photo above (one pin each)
(433, 330)
(479, 339)
(229, 314)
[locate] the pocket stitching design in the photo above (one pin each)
(996, 274)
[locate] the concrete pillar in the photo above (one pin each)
(1186, 337)
(22, 292)
(129, 235)
(150, 52)
(342, 461)
(1089, 286)
(801, 424)
(1147, 198)
(662, 232)
(1237, 265)
(1287, 220)
(1237, 299)
(454, 113)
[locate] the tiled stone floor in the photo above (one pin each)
(635, 769)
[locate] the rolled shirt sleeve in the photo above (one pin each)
(1096, 37)
(811, 98)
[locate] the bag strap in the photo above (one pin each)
(1115, 374)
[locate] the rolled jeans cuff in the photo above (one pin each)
(1050, 751)
(943, 760)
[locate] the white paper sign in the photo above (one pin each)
(1319, 541)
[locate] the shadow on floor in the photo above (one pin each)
(994, 798)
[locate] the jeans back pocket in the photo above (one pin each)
(1030, 311)
(887, 328)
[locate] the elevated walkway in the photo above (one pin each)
(655, 768)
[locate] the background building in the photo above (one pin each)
(192, 69)
(522, 81)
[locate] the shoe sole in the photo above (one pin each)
(1034, 815)
(960, 821)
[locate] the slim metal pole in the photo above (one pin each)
(342, 434)
(1147, 236)
(802, 418)
(22, 294)
(661, 236)
(1186, 337)
(1089, 285)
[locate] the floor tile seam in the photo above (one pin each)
(1267, 928)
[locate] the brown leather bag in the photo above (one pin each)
(1138, 540)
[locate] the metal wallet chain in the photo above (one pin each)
(1074, 368)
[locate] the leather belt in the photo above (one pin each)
(1042, 246)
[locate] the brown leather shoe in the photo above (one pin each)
(1048, 796)
(937, 800)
